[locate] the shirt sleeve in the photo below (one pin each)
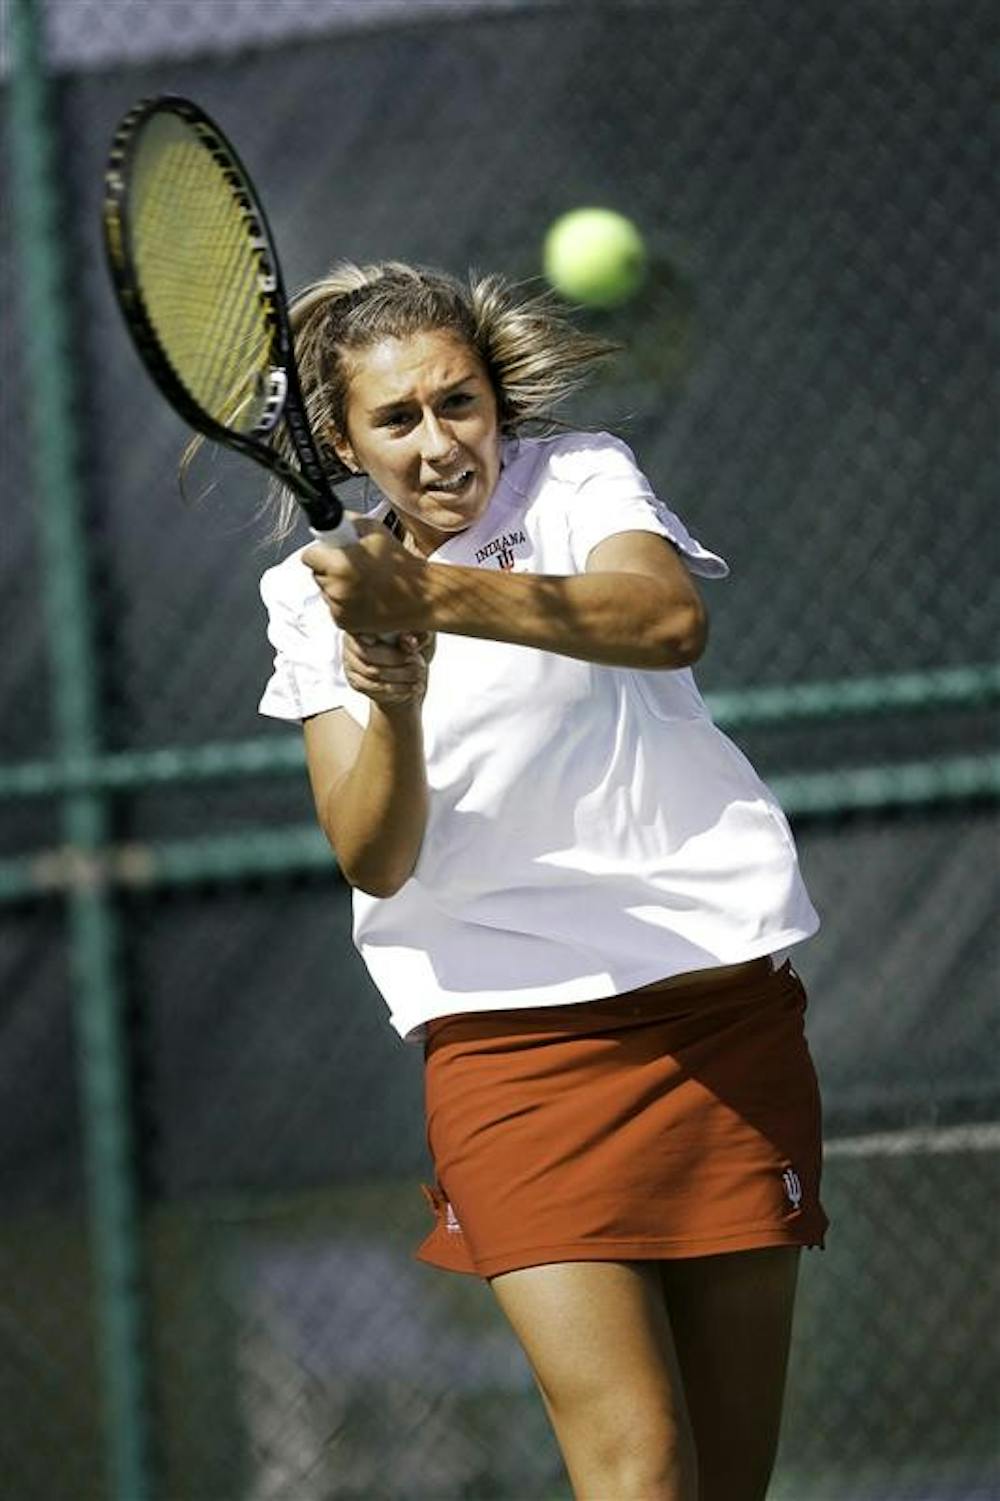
(612, 495)
(308, 673)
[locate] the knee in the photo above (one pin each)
(734, 1476)
(666, 1476)
(629, 1456)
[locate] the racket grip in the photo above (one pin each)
(345, 534)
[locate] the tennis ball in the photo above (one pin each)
(595, 256)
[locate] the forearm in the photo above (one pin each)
(376, 814)
(618, 619)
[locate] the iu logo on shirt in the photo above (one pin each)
(500, 550)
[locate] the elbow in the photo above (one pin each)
(373, 877)
(681, 636)
(370, 865)
(381, 887)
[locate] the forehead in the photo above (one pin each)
(411, 367)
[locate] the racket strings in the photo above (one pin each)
(199, 274)
(195, 263)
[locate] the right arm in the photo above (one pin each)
(370, 784)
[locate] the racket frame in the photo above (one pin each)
(311, 485)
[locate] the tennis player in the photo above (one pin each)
(571, 888)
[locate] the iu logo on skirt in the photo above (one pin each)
(793, 1187)
(451, 1221)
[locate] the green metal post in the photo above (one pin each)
(104, 1080)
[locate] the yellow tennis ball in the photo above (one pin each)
(594, 256)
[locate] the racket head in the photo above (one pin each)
(196, 273)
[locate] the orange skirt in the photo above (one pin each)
(668, 1122)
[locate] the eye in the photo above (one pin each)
(458, 400)
(396, 418)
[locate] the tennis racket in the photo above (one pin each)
(197, 277)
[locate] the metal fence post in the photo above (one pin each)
(98, 993)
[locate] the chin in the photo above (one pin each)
(453, 521)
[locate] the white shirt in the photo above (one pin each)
(590, 829)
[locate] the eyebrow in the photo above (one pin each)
(386, 407)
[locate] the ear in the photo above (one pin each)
(342, 448)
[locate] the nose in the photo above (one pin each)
(437, 443)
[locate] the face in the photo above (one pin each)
(422, 422)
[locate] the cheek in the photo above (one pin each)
(487, 439)
(384, 460)
(494, 454)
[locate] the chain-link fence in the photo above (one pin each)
(212, 1143)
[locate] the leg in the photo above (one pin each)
(597, 1336)
(732, 1317)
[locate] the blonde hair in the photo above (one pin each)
(534, 356)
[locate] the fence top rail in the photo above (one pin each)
(268, 755)
(289, 850)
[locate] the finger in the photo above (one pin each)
(321, 557)
(426, 645)
(381, 659)
(411, 669)
(365, 526)
(399, 693)
(376, 651)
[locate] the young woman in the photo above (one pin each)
(569, 886)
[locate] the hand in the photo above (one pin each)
(374, 587)
(392, 675)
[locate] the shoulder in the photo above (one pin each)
(297, 611)
(589, 485)
(288, 586)
(569, 459)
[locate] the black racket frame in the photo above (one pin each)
(312, 485)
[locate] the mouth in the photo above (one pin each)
(450, 487)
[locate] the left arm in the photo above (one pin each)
(635, 606)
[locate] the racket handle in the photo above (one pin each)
(345, 534)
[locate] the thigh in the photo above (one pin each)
(731, 1317)
(599, 1342)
